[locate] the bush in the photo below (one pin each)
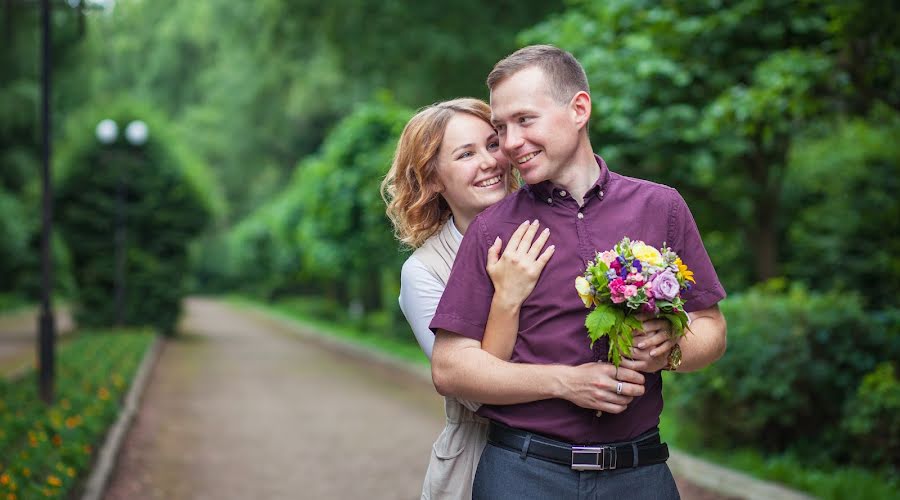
(794, 358)
(47, 450)
(167, 201)
(870, 419)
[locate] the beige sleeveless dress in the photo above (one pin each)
(455, 454)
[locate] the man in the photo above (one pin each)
(541, 415)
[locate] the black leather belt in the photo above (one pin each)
(646, 449)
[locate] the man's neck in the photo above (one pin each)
(580, 173)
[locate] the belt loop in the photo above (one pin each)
(634, 450)
(525, 446)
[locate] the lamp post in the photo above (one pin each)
(136, 133)
(46, 323)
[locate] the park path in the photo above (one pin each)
(239, 406)
(18, 338)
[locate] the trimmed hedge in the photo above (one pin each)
(47, 451)
(795, 361)
(168, 201)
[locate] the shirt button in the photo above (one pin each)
(550, 200)
(601, 194)
(562, 193)
(580, 215)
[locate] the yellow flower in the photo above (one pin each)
(54, 481)
(684, 272)
(646, 254)
(103, 393)
(583, 287)
(26, 472)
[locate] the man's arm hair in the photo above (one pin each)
(706, 341)
(461, 369)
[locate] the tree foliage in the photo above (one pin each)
(155, 194)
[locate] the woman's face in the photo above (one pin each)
(471, 167)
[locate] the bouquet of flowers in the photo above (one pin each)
(632, 277)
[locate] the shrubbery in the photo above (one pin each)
(794, 362)
(48, 450)
(168, 200)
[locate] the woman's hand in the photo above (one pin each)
(516, 271)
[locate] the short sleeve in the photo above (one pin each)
(420, 292)
(684, 239)
(466, 302)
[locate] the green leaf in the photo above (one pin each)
(600, 321)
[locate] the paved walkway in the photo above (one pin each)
(18, 338)
(241, 407)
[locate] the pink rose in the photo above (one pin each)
(664, 285)
(617, 290)
(630, 291)
(608, 257)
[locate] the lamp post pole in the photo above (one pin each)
(46, 326)
(136, 134)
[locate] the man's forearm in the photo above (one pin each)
(473, 374)
(706, 342)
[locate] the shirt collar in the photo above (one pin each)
(454, 231)
(547, 190)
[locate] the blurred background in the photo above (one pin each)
(242, 145)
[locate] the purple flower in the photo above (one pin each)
(664, 285)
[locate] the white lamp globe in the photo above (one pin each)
(137, 132)
(107, 131)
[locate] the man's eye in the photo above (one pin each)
(524, 119)
(501, 129)
(494, 145)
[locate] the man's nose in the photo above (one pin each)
(512, 139)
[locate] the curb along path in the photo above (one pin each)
(237, 408)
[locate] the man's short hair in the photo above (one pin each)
(564, 73)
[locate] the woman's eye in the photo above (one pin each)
(465, 154)
(494, 145)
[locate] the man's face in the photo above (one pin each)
(537, 133)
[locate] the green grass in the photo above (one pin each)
(835, 482)
(47, 450)
(308, 312)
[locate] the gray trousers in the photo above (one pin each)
(503, 474)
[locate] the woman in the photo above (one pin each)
(447, 169)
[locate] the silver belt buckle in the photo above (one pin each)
(594, 457)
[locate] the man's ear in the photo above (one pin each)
(580, 107)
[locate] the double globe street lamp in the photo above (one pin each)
(136, 133)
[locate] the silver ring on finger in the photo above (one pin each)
(619, 388)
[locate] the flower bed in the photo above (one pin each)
(46, 450)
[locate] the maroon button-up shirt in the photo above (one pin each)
(551, 323)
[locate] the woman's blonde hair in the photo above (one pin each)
(411, 189)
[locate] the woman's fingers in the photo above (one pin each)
(545, 257)
(528, 237)
(494, 252)
(539, 243)
(516, 237)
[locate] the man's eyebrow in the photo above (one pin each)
(495, 121)
(464, 146)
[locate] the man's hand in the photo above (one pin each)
(594, 386)
(651, 346)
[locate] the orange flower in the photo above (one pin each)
(26, 472)
(4, 479)
(57, 440)
(103, 393)
(54, 481)
(11, 496)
